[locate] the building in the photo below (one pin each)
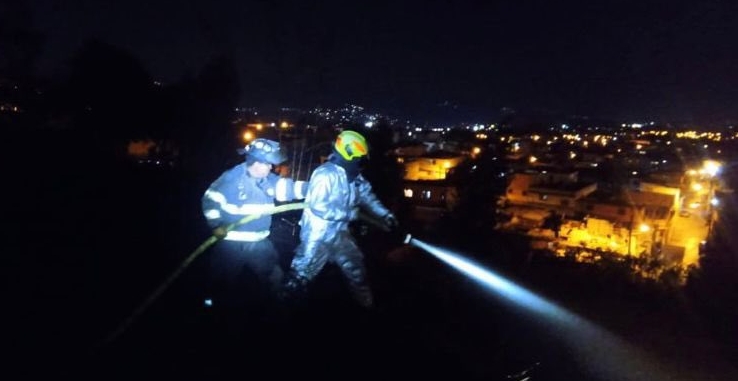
(432, 166)
(552, 190)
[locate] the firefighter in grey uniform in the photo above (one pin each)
(246, 251)
(335, 193)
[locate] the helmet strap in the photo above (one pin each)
(250, 161)
(352, 168)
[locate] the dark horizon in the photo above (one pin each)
(615, 61)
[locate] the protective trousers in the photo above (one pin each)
(312, 255)
(244, 272)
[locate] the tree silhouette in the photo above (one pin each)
(202, 115)
(107, 96)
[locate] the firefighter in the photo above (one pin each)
(246, 253)
(335, 193)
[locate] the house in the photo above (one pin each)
(431, 194)
(430, 200)
(432, 166)
(552, 190)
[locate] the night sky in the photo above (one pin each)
(637, 60)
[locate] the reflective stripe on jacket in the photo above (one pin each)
(235, 194)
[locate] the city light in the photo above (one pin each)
(711, 167)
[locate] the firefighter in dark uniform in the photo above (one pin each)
(245, 264)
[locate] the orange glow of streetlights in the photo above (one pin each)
(711, 167)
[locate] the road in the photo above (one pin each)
(688, 232)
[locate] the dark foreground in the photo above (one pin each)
(96, 243)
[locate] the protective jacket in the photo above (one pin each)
(332, 203)
(235, 194)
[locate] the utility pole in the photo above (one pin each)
(630, 229)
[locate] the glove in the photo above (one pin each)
(220, 232)
(390, 220)
(293, 287)
(353, 214)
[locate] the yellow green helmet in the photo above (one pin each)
(351, 145)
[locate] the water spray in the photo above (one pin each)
(511, 292)
(600, 351)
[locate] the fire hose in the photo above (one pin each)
(187, 261)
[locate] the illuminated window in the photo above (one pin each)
(408, 193)
(426, 195)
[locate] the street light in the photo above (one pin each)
(711, 167)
